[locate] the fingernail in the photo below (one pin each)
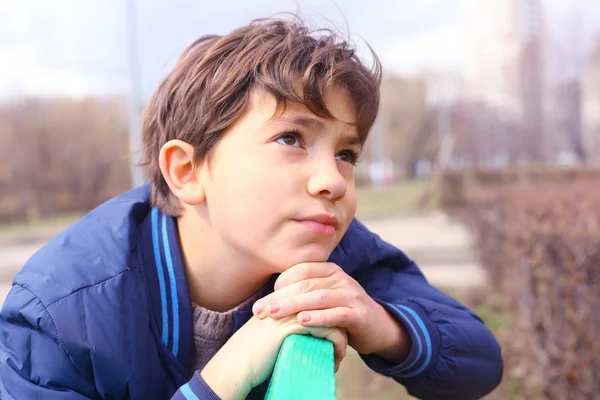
(305, 317)
(257, 309)
(273, 308)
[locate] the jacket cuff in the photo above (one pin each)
(195, 389)
(425, 339)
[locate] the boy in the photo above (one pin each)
(250, 145)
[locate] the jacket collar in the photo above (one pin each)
(167, 283)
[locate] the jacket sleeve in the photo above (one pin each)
(196, 388)
(454, 355)
(32, 363)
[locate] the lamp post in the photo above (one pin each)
(135, 106)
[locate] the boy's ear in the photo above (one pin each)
(176, 161)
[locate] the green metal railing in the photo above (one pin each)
(304, 370)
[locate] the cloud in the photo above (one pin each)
(65, 47)
(52, 83)
(24, 75)
(440, 48)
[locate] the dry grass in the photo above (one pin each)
(355, 381)
(401, 198)
(43, 228)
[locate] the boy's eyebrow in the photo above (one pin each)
(353, 139)
(303, 120)
(316, 124)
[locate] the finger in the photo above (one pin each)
(282, 297)
(289, 291)
(316, 300)
(338, 362)
(340, 344)
(337, 336)
(304, 271)
(305, 286)
(258, 309)
(343, 317)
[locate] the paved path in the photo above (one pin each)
(440, 247)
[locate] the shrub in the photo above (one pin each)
(541, 247)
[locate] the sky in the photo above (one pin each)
(80, 47)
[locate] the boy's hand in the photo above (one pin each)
(322, 294)
(247, 359)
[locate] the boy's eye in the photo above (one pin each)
(289, 139)
(348, 156)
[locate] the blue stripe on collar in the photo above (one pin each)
(168, 288)
(161, 277)
(173, 286)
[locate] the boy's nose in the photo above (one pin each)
(327, 181)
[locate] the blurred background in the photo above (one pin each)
(483, 165)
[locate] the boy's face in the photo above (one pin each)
(280, 190)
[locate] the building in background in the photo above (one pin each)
(564, 122)
(505, 72)
(590, 104)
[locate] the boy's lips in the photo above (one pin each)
(324, 224)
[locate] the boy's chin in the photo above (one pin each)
(314, 254)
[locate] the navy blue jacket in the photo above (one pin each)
(103, 312)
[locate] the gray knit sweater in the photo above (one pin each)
(211, 330)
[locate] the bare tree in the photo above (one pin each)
(407, 123)
(63, 154)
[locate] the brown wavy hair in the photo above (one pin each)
(211, 84)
